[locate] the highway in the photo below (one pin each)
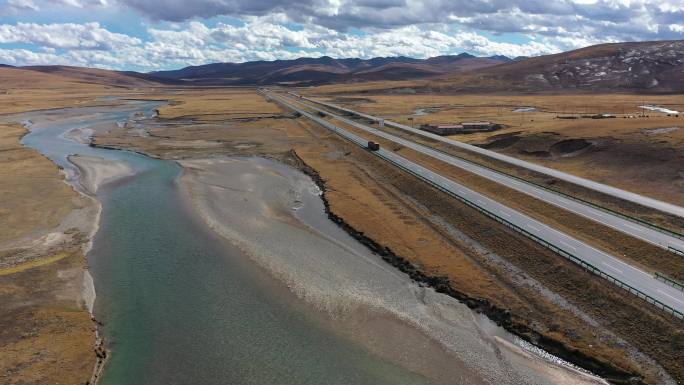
(600, 187)
(646, 233)
(608, 266)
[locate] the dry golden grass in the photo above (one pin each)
(24, 90)
(33, 196)
(46, 335)
(33, 264)
(217, 105)
(499, 109)
(639, 253)
(629, 154)
(372, 197)
(377, 86)
(45, 338)
(93, 76)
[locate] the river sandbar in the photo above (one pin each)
(269, 211)
(96, 171)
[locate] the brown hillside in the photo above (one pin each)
(645, 66)
(96, 76)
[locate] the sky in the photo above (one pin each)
(151, 35)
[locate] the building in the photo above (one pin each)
(479, 126)
(442, 129)
(462, 128)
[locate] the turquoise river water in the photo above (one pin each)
(178, 304)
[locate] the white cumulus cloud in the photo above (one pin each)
(275, 29)
(67, 35)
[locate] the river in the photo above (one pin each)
(181, 304)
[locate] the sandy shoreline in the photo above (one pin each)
(93, 172)
(55, 257)
(96, 171)
(346, 283)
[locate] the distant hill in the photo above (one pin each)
(99, 76)
(310, 71)
(19, 80)
(643, 66)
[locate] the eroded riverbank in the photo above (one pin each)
(288, 233)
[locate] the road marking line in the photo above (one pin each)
(634, 227)
(568, 245)
(505, 213)
(614, 268)
(674, 298)
(532, 227)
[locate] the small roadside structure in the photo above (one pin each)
(461, 128)
(479, 126)
(442, 129)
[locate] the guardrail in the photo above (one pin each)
(670, 281)
(583, 201)
(577, 199)
(589, 267)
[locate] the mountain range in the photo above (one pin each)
(655, 67)
(310, 71)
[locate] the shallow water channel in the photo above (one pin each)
(181, 305)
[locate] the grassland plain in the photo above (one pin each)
(641, 154)
(431, 237)
(46, 333)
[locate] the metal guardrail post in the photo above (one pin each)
(670, 281)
